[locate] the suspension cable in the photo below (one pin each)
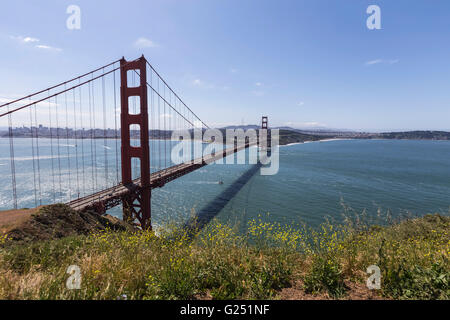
(61, 92)
(174, 92)
(58, 85)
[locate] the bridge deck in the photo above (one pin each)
(111, 197)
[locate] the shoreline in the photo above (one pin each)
(324, 140)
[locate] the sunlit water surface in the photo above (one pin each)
(315, 181)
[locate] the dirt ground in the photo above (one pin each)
(11, 219)
(356, 291)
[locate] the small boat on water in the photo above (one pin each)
(221, 182)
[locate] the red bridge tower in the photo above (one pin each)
(137, 204)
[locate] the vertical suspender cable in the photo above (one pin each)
(76, 137)
(38, 157)
(32, 152)
(11, 155)
(51, 148)
(95, 134)
(92, 138)
(152, 127)
(82, 144)
(165, 132)
(159, 129)
(170, 126)
(67, 146)
(105, 141)
(58, 149)
(116, 135)
(172, 115)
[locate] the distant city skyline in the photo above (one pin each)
(44, 131)
(305, 64)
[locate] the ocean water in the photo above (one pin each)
(327, 180)
(315, 181)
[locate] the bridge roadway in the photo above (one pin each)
(111, 197)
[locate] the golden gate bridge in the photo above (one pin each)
(129, 96)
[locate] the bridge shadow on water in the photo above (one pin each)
(207, 213)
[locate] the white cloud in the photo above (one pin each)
(378, 61)
(233, 70)
(197, 82)
(258, 84)
(144, 43)
(371, 62)
(301, 103)
(49, 48)
(31, 40)
(24, 39)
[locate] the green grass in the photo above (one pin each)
(221, 263)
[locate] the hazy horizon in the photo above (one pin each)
(245, 125)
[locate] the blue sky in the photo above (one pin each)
(303, 63)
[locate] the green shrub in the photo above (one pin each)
(45, 254)
(174, 281)
(325, 275)
(224, 264)
(271, 278)
(417, 282)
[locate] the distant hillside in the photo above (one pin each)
(416, 135)
(288, 136)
